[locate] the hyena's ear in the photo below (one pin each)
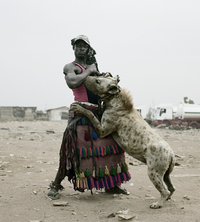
(113, 89)
(117, 78)
(106, 74)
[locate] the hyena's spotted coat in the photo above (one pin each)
(132, 133)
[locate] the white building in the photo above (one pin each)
(58, 114)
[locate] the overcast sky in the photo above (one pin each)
(153, 45)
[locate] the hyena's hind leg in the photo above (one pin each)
(157, 180)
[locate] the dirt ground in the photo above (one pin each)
(29, 160)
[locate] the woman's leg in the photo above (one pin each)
(55, 186)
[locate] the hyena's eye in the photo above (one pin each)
(98, 81)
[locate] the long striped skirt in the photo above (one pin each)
(89, 161)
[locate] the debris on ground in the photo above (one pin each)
(186, 197)
(126, 217)
(123, 215)
(50, 131)
(61, 203)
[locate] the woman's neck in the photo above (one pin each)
(82, 62)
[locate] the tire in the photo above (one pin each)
(167, 123)
(194, 125)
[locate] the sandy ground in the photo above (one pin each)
(29, 160)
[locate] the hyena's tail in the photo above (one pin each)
(167, 178)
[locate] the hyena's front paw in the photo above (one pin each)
(77, 108)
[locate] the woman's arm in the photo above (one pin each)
(72, 79)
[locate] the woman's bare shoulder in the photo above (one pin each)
(68, 68)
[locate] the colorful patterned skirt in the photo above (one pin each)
(91, 162)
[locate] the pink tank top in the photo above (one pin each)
(80, 93)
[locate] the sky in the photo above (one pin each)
(154, 46)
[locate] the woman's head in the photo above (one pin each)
(80, 44)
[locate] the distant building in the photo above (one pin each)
(58, 114)
(9, 113)
(40, 115)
